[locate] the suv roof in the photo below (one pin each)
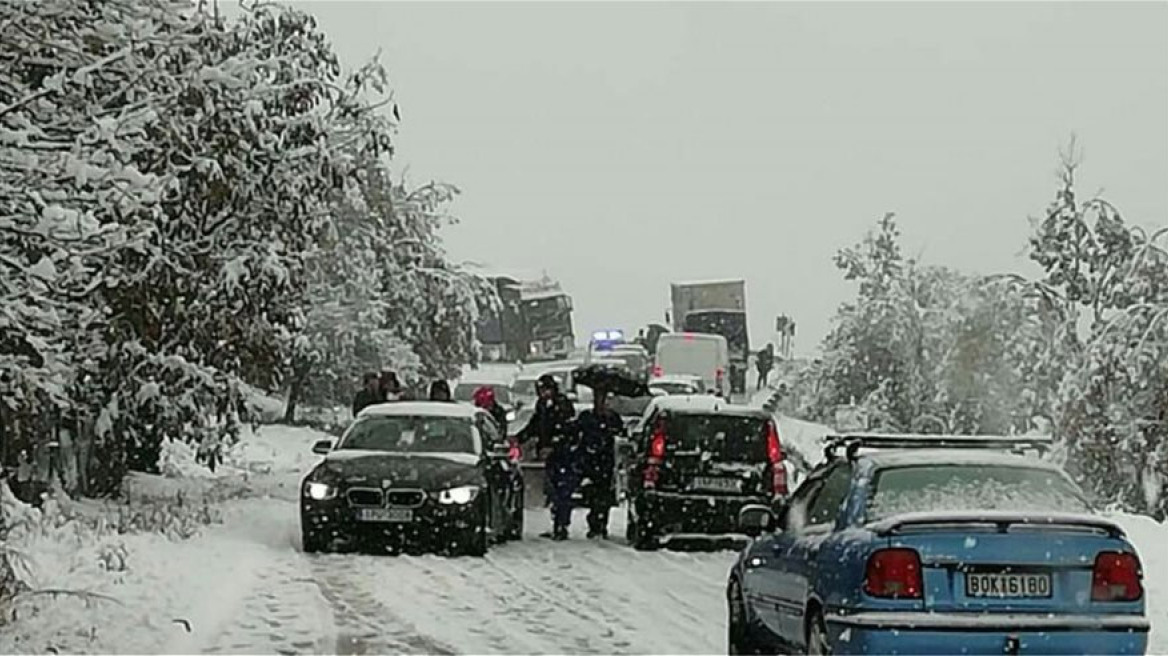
(703, 404)
(941, 457)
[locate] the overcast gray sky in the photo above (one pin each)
(622, 146)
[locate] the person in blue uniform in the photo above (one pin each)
(551, 426)
(597, 429)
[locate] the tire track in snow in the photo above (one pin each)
(278, 616)
(364, 624)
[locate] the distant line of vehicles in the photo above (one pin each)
(534, 324)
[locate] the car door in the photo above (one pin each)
(497, 473)
(767, 589)
(823, 509)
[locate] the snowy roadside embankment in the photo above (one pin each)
(1149, 538)
(160, 571)
(804, 437)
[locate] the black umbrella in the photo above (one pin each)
(609, 378)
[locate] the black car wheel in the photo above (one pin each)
(641, 538)
(312, 541)
(739, 637)
(817, 640)
(474, 541)
(515, 521)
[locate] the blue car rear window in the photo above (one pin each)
(940, 488)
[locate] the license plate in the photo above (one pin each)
(396, 515)
(1007, 586)
(716, 484)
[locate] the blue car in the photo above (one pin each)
(898, 547)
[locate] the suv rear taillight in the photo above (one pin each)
(1116, 577)
(656, 455)
(719, 376)
(658, 371)
(894, 574)
(775, 460)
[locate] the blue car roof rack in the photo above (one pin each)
(853, 442)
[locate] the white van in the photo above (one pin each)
(696, 354)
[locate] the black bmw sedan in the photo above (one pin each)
(426, 475)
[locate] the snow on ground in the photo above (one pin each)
(1149, 538)
(804, 436)
(242, 586)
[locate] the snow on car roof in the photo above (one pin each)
(539, 295)
(485, 380)
(704, 404)
(688, 337)
(421, 409)
(941, 457)
(696, 283)
(687, 379)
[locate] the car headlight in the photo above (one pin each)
(458, 495)
(511, 415)
(320, 491)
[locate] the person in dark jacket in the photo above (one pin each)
(598, 428)
(551, 426)
(764, 363)
(440, 391)
(390, 387)
(368, 395)
(484, 397)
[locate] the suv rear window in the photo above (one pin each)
(933, 488)
(727, 438)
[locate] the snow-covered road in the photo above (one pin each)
(533, 596)
(244, 587)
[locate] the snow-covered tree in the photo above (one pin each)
(164, 179)
(1113, 277)
(928, 349)
(386, 296)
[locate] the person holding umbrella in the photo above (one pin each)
(597, 429)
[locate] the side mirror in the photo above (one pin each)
(754, 520)
(322, 447)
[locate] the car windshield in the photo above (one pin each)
(726, 438)
(940, 488)
(629, 406)
(465, 392)
(411, 434)
(524, 388)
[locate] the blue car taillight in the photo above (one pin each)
(1116, 577)
(894, 574)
